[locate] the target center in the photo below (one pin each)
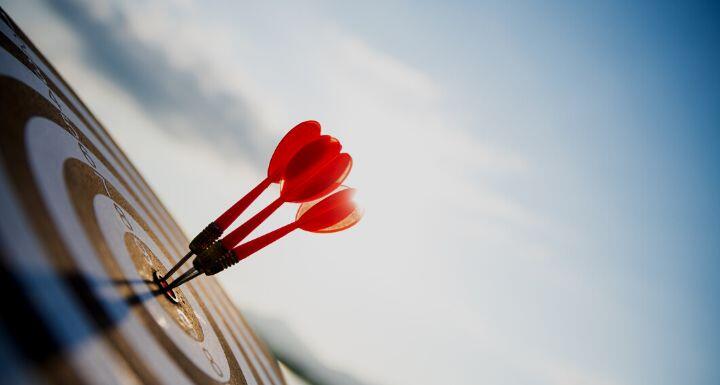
(163, 284)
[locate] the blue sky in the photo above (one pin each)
(540, 179)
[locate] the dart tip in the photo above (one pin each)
(163, 285)
(184, 278)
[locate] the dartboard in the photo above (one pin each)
(81, 238)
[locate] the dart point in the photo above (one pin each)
(163, 284)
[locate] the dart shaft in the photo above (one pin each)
(177, 266)
(231, 214)
(237, 235)
(246, 249)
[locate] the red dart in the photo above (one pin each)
(333, 213)
(289, 145)
(316, 170)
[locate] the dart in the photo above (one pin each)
(289, 145)
(316, 170)
(333, 213)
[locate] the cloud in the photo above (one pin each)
(180, 100)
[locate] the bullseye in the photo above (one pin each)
(163, 286)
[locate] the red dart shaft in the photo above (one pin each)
(246, 249)
(237, 235)
(231, 214)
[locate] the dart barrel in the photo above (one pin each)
(83, 240)
(214, 259)
(205, 238)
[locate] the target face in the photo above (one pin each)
(81, 238)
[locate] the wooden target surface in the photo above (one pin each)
(81, 235)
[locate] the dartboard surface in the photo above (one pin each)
(81, 235)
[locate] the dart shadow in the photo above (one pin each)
(44, 334)
(137, 298)
(138, 291)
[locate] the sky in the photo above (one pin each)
(539, 179)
